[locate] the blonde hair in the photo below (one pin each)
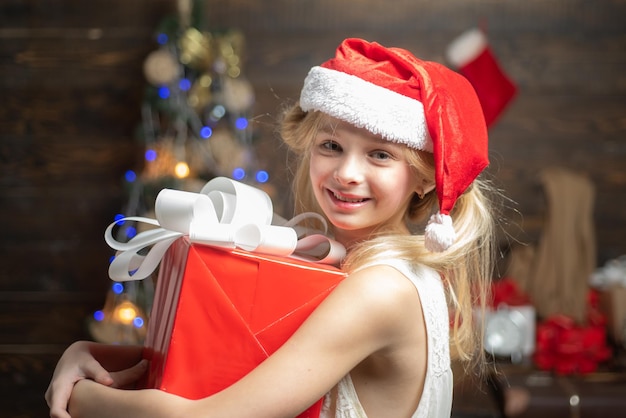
(466, 268)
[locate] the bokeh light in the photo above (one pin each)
(164, 92)
(98, 316)
(162, 38)
(125, 312)
(184, 84)
(181, 170)
(150, 155)
(239, 173)
(241, 123)
(117, 288)
(262, 176)
(138, 322)
(206, 132)
(130, 176)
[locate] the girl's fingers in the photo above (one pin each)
(125, 377)
(57, 397)
(92, 369)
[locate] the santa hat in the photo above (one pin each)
(421, 104)
(471, 56)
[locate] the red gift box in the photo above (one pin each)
(218, 313)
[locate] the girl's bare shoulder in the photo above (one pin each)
(383, 295)
(383, 283)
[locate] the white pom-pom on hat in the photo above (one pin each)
(440, 234)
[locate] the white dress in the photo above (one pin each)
(436, 399)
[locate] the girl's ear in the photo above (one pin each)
(425, 187)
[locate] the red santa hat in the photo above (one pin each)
(421, 104)
(471, 56)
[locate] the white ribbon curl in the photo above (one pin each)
(226, 214)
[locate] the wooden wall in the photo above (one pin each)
(71, 84)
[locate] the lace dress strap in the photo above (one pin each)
(343, 401)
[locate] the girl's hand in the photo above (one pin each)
(77, 363)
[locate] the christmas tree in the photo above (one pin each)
(194, 126)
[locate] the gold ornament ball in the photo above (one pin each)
(160, 67)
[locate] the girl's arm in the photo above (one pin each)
(366, 313)
(90, 399)
(110, 365)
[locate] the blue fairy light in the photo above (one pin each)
(131, 231)
(98, 316)
(151, 155)
(118, 219)
(164, 92)
(130, 176)
(241, 123)
(184, 84)
(111, 259)
(206, 132)
(239, 173)
(117, 288)
(162, 38)
(138, 322)
(262, 176)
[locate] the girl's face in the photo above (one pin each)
(361, 181)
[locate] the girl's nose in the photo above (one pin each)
(350, 170)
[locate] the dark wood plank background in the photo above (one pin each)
(71, 84)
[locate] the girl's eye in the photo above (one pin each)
(330, 146)
(381, 155)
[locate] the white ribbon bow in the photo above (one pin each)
(225, 213)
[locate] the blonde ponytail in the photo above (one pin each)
(466, 267)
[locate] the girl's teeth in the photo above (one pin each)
(345, 199)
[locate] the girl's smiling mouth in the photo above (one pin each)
(342, 198)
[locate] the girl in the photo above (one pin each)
(386, 143)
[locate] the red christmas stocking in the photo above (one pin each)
(471, 56)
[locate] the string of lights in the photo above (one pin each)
(195, 125)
